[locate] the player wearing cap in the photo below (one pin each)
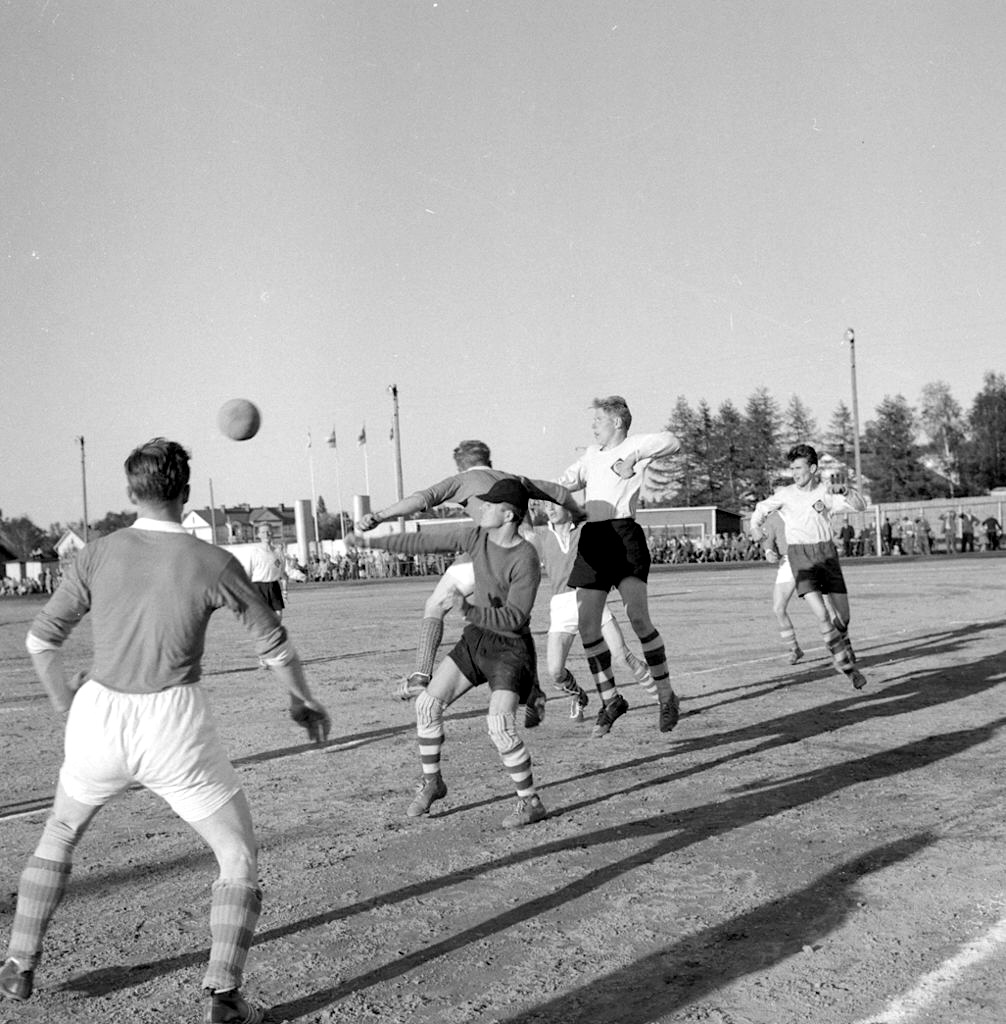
(141, 715)
(475, 475)
(494, 647)
(613, 553)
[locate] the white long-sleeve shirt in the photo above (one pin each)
(606, 494)
(806, 513)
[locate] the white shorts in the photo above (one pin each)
(165, 741)
(462, 576)
(784, 574)
(562, 614)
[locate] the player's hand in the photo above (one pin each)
(367, 522)
(771, 556)
(624, 468)
(312, 717)
(352, 542)
(756, 534)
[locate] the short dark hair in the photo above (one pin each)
(157, 471)
(802, 451)
(615, 405)
(472, 453)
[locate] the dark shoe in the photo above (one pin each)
(615, 708)
(430, 788)
(795, 655)
(230, 1008)
(534, 710)
(527, 812)
(857, 678)
(14, 983)
(670, 713)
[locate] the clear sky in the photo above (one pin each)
(505, 208)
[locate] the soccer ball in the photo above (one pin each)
(239, 419)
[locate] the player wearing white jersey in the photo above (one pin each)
(613, 553)
(806, 507)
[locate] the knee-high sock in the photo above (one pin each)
(599, 662)
(430, 731)
(43, 883)
(431, 632)
(641, 673)
(656, 658)
(514, 754)
(233, 916)
(788, 636)
(838, 646)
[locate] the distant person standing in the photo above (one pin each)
(993, 530)
(950, 531)
(268, 569)
(967, 532)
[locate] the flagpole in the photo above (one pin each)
(396, 430)
(314, 500)
(366, 461)
(338, 486)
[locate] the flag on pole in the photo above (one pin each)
(309, 438)
(391, 435)
(330, 440)
(362, 439)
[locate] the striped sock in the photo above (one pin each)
(838, 646)
(430, 732)
(431, 632)
(42, 885)
(656, 658)
(233, 916)
(518, 765)
(641, 673)
(599, 662)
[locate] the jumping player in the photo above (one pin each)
(495, 646)
(557, 546)
(613, 553)
(806, 507)
(474, 476)
(142, 716)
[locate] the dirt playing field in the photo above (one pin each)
(794, 853)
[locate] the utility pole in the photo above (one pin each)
(83, 480)
(399, 486)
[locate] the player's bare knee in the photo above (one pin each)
(503, 732)
(429, 710)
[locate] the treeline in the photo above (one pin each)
(733, 457)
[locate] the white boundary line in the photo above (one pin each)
(930, 986)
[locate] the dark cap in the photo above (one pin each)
(509, 490)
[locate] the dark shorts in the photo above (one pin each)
(816, 568)
(504, 662)
(272, 594)
(608, 553)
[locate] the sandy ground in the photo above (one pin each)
(794, 852)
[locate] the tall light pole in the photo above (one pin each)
(850, 337)
(83, 481)
(399, 486)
